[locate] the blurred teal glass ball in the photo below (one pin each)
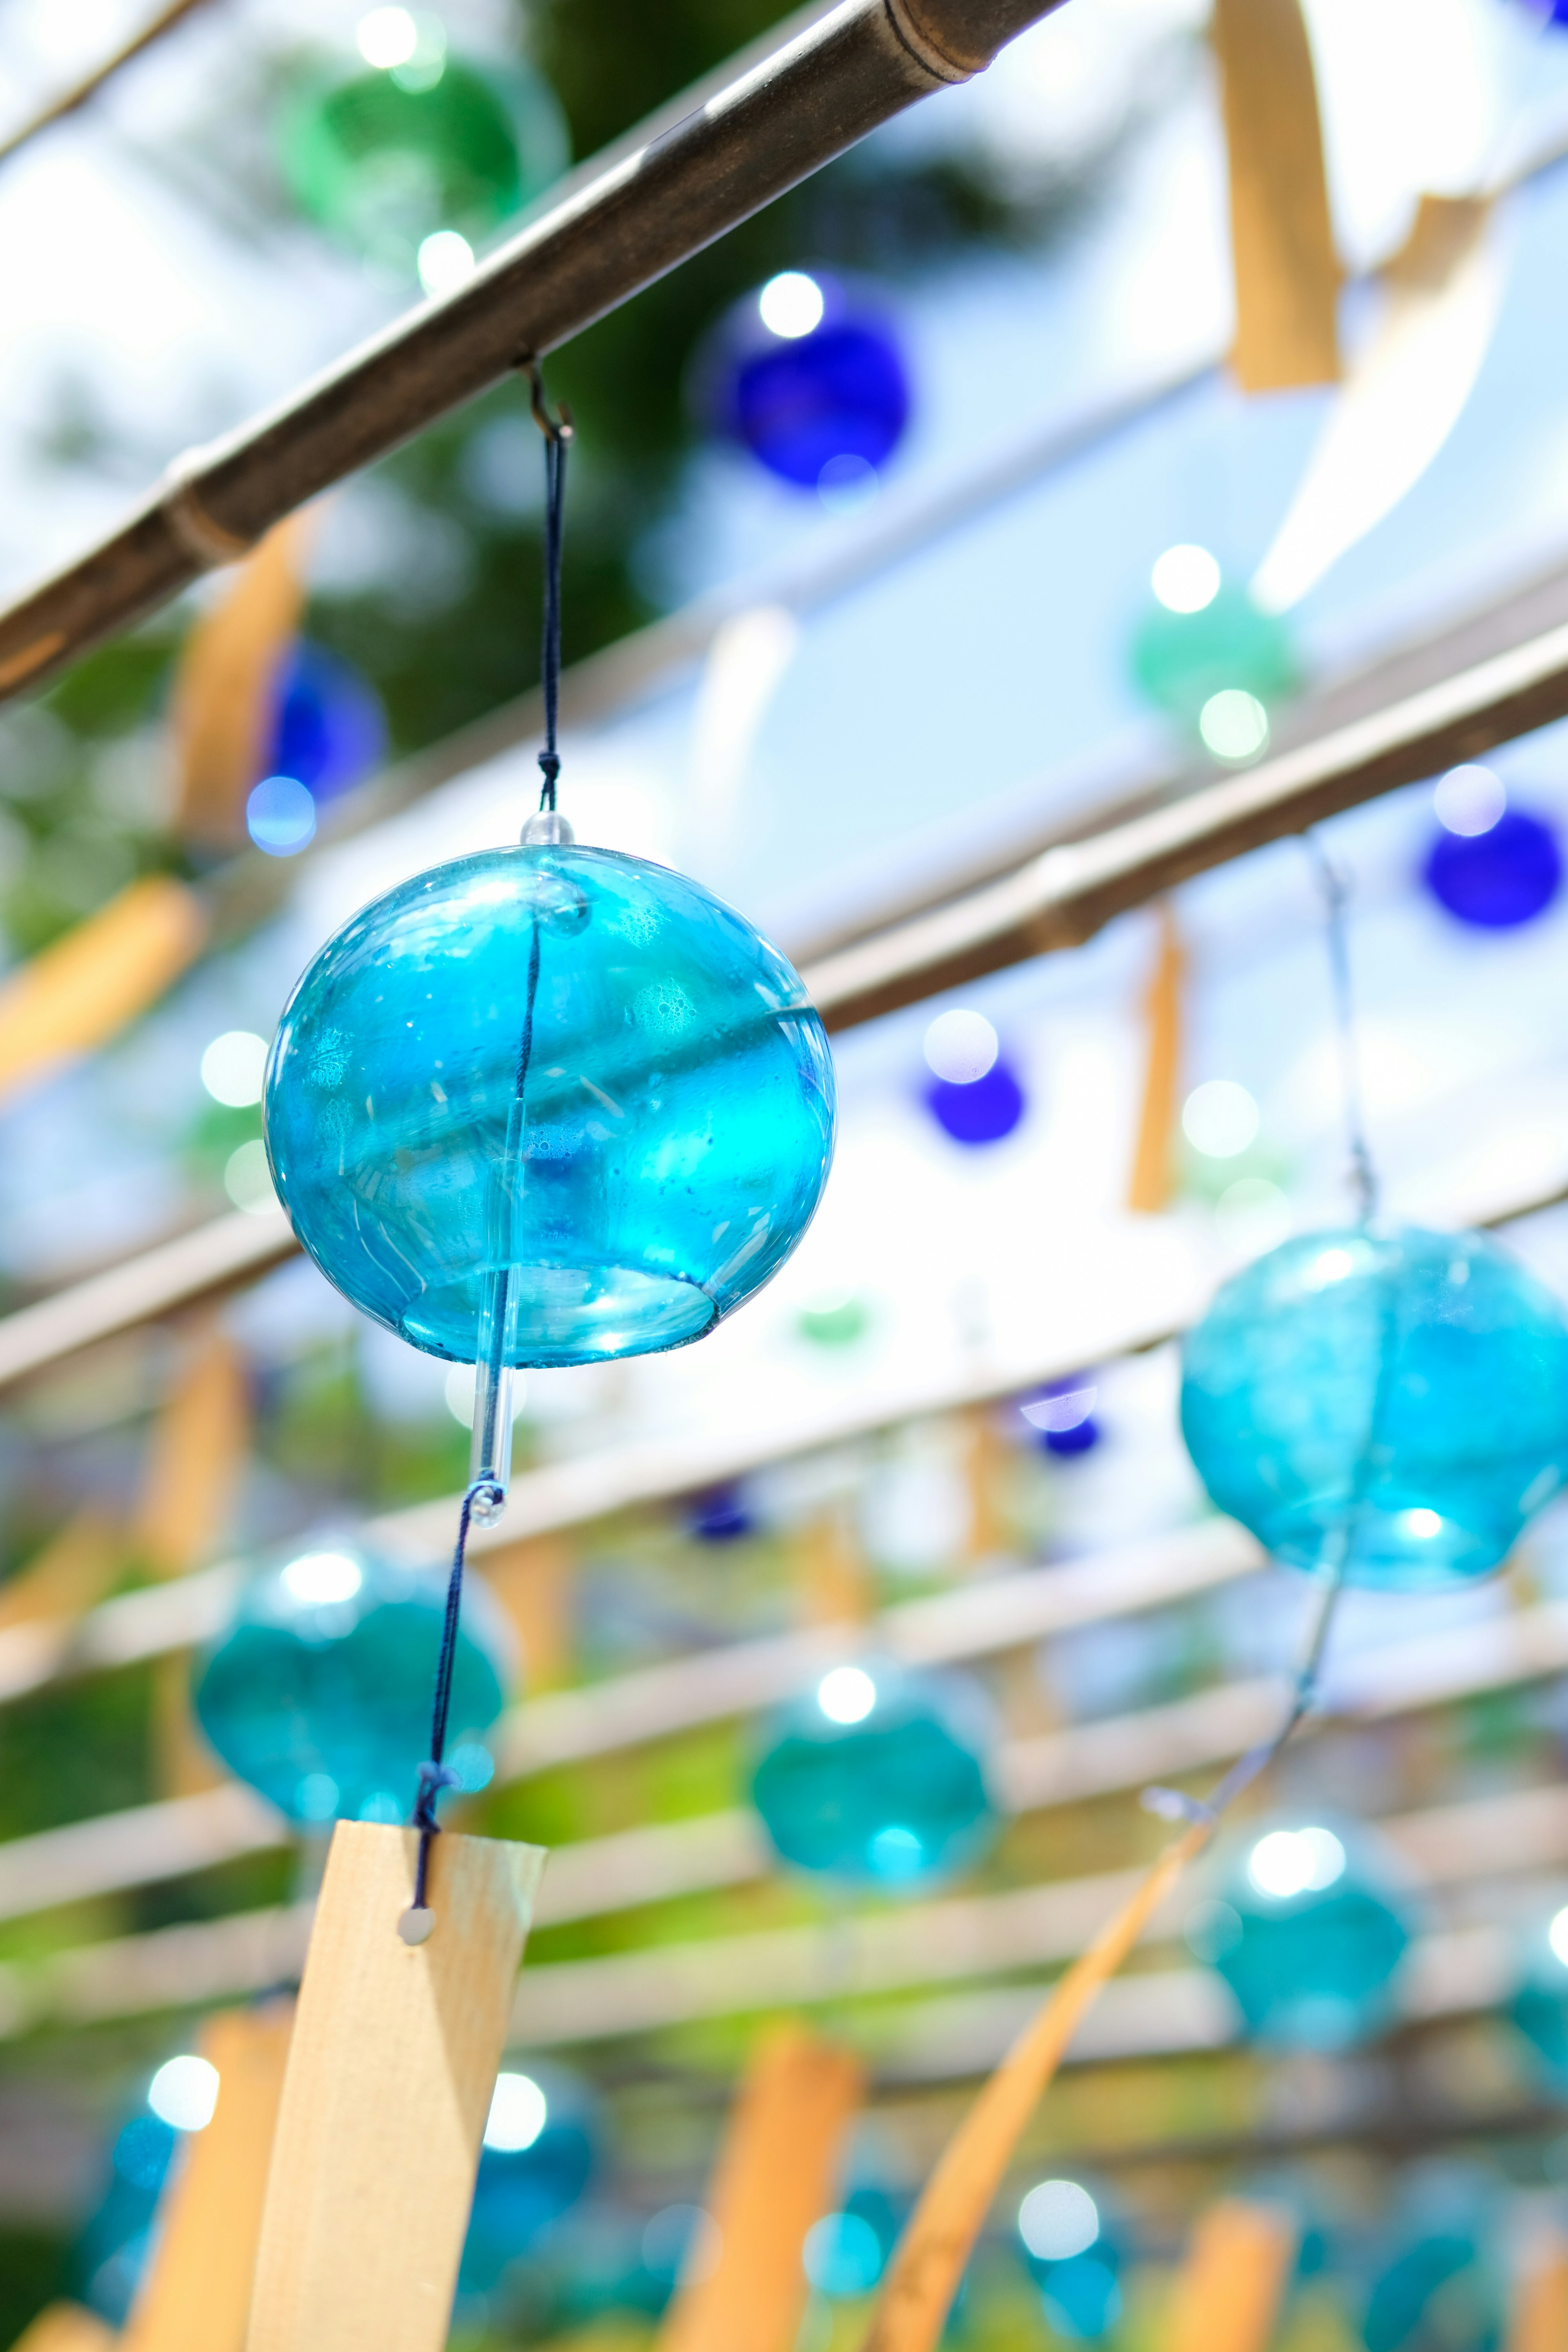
(319, 1691)
(877, 1776)
(677, 1122)
(1431, 1367)
(539, 2149)
(1440, 2292)
(1307, 1932)
(1538, 2007)
(1210, 658)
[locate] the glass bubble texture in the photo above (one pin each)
(1400, 1391)
(318, 1693)
(670, 1145)
(877, 1776)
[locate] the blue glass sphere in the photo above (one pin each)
(877, 1776)
(1438, 2293)
(540, 2150)
(1307, 1933)
(1402, 1390)
(1073, 2259)
(110, 2252)
(1538, 2007)
(319, 1691)
(977, 1110)
(1496, 879)
(327, 728)
(1060, 1416)
(672, 1138)
(847, 2251)
(809, 376)
(720, 1516)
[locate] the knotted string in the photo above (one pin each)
(435, 1773)
(557, 431)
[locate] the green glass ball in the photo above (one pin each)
(383, 160)
(1180, 660)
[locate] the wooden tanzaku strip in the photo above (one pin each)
(1153, 1156)
(197, 2293)
(81, 991)
(1229, 2289)
(619, 225)
(74, 1569)
(928, 2259)
(70, 100)
(66, 2328)
(1538, 2320)
(221, 702)
(391, 2073)
(1281, 240)
(775, 2176)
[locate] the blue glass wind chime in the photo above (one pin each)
(1382, 1406)
(546, 1104)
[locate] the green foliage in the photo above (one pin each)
(32, 2271)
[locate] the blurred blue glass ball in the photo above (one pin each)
(1538, 2007)
(677, 1123)
(1307, 1933)
(1490, 866)
(318, 1692)
(539, 2154)
(327, 728)
(971, 1094)
(111, 2252)
(720, 1516)
(1438, 2293)
(879, 1775)
(1072, 2258)
(811, 378)
(847, 2251)
(1060, 1416)
(1448, 1353)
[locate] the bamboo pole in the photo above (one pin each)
(710, 161)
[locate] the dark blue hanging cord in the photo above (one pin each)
(557, 432)
(435, 1773)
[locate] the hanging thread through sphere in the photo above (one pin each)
(1390, 1395)
(668, 1149)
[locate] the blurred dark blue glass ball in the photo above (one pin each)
(809, 376)
(719, 1517)
(1490, 866)
(1061, 1416)
(328, 730)
(983, 1111)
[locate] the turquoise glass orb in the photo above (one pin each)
(877, 1776)
(671, 1139)
(319, 1691)
(1539, 2004)
(1308, 1932)
(1402, 1392)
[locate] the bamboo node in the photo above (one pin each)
(199, 533)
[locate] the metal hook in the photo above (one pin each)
(555, 428)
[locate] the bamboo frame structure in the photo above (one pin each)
(615, 227)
